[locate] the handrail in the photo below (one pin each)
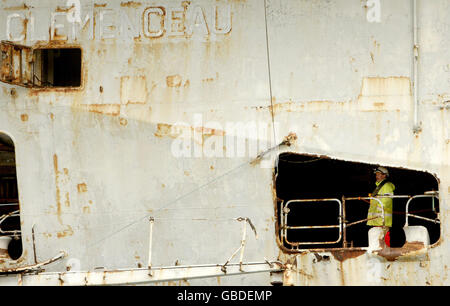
(285, 211)
(343, 224)
(368, 198)
(14, 213)
(36, 266)
(420, 217)
(9, 204)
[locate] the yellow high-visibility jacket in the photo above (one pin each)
(375, 210)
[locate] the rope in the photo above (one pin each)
(412, 212)
(269, 70)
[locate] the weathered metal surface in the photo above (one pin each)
(167, 84)
(142, 276)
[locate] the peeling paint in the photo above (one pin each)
(104, 109)
(174, 81)
(342, 255)
(82, 188)
(409, 249)
(131, 4)
(175, 131)
(65, 233)
(348, 97)
(133, 90)
(58, 191)
(385, 93)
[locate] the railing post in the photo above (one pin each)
(149, 265)
(242, 246)
(344, 223)
(244, 234)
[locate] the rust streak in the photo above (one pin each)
(24, 30)
(64, 9)
(163, 129)
(82, 188)
(291, 106)
(174, 80)
(174, 131)
(209, 132)
(130, 4)
(105, 109)
(65, 233)
(17, 8)
(35, 91)
(58, 192)
(67, 202)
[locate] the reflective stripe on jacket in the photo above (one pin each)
(375, 210)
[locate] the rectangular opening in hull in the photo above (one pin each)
(40, 67)
(57, 67)
(324, 203)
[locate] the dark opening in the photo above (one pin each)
(9, 198)
(58, 67)
(313, 177)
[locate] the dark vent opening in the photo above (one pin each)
(58, 67)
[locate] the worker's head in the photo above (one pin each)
(381, 173)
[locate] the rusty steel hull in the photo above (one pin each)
(94, 162)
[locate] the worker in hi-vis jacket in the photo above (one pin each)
(383, 188)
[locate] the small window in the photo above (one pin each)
(321, 202)
(10, 229)
(40, 67)
(57, 67)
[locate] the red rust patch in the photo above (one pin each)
(392, 254)
(342, 255)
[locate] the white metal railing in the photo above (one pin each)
(432, 196)
(285, 211)
(343, 223)
(15, 233)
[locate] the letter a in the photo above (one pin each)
(374, 11)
